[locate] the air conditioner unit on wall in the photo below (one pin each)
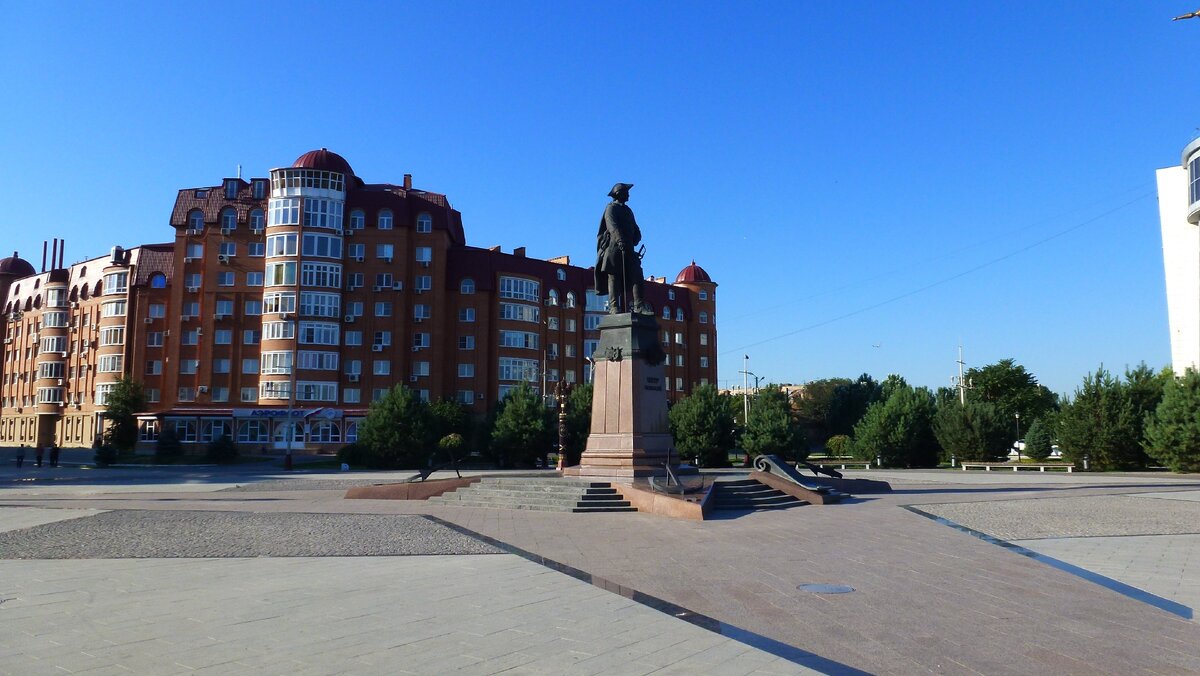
(349, 319)
(147, 320)
(377, 348)
(222, 258)
(226, 231)
(353, 377)
(412, 378)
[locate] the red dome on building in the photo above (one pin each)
(16, 266)
(693, 274)
(324, 160)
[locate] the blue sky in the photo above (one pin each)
(871, 184)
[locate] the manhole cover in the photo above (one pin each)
(826, 588)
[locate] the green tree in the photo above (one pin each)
(899, 430)
(1039, 440)
(1012, 389)
(579, 422)
(975, 432)
(398, 431)
(838, 445)
(222, 450)
(1145, 388)
(1173, 431)
(771, 429)
(1099, 421)
(522, 433)
(704, 425)
(168, 445)
(124, 401)
(849, 403)
(812, 404)
(449, 417)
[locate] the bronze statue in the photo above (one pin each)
(618, 264)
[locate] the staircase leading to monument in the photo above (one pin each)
(546, 494)
(750, 494)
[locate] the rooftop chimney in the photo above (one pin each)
(519, 251)
(408, 181)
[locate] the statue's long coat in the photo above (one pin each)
(616, 225)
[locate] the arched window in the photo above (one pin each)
(281, 432)
(98, 290)
(228, 218)
(666, 312)
(37, 301)
(195, 220)
(552, 298)
(158, 281)
(678, 314)
(74, 294)
(561, 275)
(325, 432)
(570, 299)
(467, 286)
(352, 431)
(252, 432)
(83, 292)
(424, 223)
(83, 271)
(256, 219)
(385, 219)
(211, 430)
(703, 317)
(358, 219)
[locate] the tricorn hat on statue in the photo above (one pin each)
(618, 188)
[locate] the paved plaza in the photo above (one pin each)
(244, 570)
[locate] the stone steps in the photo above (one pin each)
(750, 494)
(553, 494)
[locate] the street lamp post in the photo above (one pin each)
(1018, 437)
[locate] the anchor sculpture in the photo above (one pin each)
(773, 464)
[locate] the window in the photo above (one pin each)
(284, 211)
(315, 304)
(193, 251)
(256, 219)
(250, 367)
(193, 280)
(424, 223)
(223, 337)
(552, 323)
(256, 249)
(281, 245)
(518, 369)
(421, 312)
(224, 307)
(353, 337)
(351, 395)
(281, 274)
(49, 395)
(356, 280)
(1194, 187)
(591, 322)
(666, 312)
(228, 249)
(466, 370)
(520, 313)
(381, 367)
(274, 389)
(703, 295)
(679, 360)
(703, 362)
(385, 251)
(154, 339)
(385, 219)
(670, 294)
(109, 335)
(678, 338)
(50, 369)
(276, 363)
(383, 280)
(326, 246)
(570, 299)
(259, 186)
(252, 431)
(678, 314)
(560, 274)
(279, 302)
(279, 330)
(116, 282)
(679, 384)
(595, 303)
(185, 430)
(252, 308)
(328, 275)
(421, 341)
(704, 339)
(570, 326)
(356, 251)
(383, 308)
(519, 339)
(113, 308)
(355, 308)
(190, 337)
(110, 363)
(228, 219)
(424, 254)
(221, 365)
(158, 310)
(353, 367)
(148, 430)
(53, 320)
(318, 333)
(378, 393)
(703, 317)
(153, 395)
(569, 375)
(420, 368)
(570, 350)
(466, 342)
(309, 391)
(552, 298)
(465, 397)
(423, 283)
(196, 220)
(317, 361)
(231, 188)
(157, 281)
(189, 366)
(382, 338)
(225, 278)
(250, 394)
(358, 220)
(466, 314)
(466, 286)
(251, 336)
(102, 391)
(520, 289)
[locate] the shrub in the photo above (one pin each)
(223, 450)
(106, 455)
(355, 455)
(1173, 430)
(1039, 440)
(168, 445)
(838, 444)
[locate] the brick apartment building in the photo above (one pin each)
(285, 305)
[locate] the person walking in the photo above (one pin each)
(54, 455)
(21, 455)
(38, 455)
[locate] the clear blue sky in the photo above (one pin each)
(818, 159)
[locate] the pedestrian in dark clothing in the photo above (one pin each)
(54, 455)
(38, 455)
(21, 455)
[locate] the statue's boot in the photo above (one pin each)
(613, 307)
(639, 306)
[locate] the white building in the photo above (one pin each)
(1179, 214)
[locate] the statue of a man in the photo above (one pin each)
(618, 264)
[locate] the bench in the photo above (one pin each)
(844, 464)
(1040, 466)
